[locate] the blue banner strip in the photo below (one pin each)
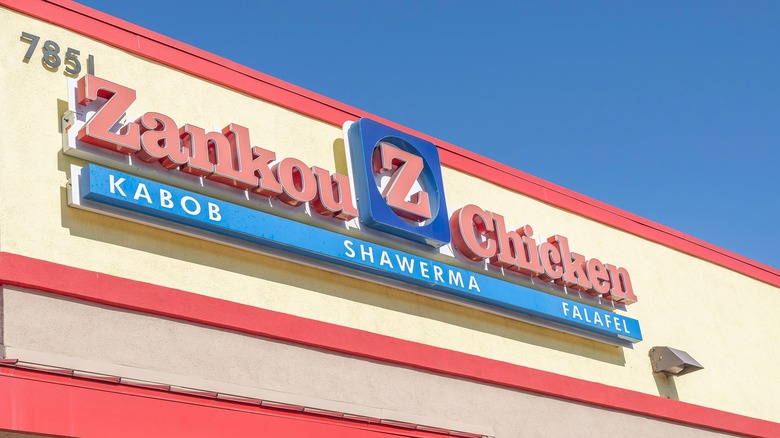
(128, 192)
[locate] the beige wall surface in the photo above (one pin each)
(122, 343)
(720, 317)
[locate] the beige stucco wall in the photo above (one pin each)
(722, 318)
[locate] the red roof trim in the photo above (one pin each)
(63, 405)
(167, 51)
(173, 303)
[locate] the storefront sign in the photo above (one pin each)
(400, 196)
(100, 185)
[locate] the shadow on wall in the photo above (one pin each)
(340, 154)
(195, 251)
(666, 386)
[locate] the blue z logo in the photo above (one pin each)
(397, 178)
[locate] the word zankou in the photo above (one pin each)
(479, 235)
(226, 157)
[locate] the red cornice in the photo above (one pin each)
(173, 303)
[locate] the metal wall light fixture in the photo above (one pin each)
(672, 361)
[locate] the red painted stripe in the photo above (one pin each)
(42, 403)
(158, 48)
(157, 300)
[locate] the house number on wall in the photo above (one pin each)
(53, 57)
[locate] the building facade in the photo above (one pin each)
(192, 248)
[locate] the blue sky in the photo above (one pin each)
(667, 109)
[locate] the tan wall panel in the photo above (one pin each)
(39, 322)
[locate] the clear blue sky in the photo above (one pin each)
(666, 109)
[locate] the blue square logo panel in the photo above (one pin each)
(397, 179)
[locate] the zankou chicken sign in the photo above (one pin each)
(395, 195)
